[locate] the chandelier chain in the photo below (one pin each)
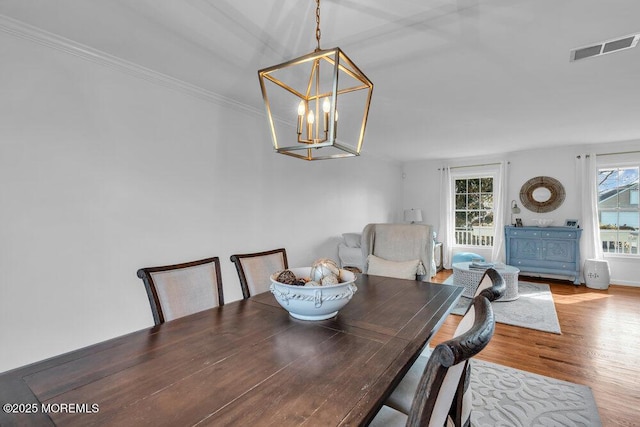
(318, 23)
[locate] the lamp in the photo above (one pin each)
(413, 215)
(310, 89)
(514, 211)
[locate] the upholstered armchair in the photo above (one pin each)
(398, 250)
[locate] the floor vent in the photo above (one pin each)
(609, 46)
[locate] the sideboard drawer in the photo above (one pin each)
(523, 232)
(559, 234)
(528, 265)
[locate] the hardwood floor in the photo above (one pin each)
(599, 345)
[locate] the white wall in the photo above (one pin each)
(102, 172)
(421, 189)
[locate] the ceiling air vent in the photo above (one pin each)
(609, 46)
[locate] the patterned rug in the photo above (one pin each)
(534, 308)
(504, 396)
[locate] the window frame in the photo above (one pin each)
(471, 173)
(612, 164)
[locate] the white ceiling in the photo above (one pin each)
(452, 78)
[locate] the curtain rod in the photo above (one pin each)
(612, 154)
(475, 166)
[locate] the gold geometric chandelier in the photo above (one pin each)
(309, 98)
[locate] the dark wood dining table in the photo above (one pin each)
(246, 363)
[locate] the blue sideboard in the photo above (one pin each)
(552, 250)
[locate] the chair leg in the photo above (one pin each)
(460, 411)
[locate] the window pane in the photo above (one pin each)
(461, 220)
(461, 201)
(487, 218)
(474, 185)
(487, 201)
(616, 187)
(461, 185)
(474, 201)
(486, 185)
(473, 218)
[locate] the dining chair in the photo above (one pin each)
(492, 286)
(255, 269)
(438, 384)
(181, 289)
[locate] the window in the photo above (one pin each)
(473, 207)
(618, 209)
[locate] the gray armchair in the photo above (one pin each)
(396, 245)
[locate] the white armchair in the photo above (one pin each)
(398, 243)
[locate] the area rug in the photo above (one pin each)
(534, 308)
(504, 396)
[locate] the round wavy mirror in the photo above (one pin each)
(542, 194)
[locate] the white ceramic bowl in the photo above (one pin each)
(314, 302)
(542, 222)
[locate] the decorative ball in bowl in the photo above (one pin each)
(542, 222)
(313, 301)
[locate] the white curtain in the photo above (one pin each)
(587, 170)
(499, 211)
(446, 226)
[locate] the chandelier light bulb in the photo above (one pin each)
(311, 117)
(326, 107)
(300, 117)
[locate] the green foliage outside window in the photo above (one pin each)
(474, 211)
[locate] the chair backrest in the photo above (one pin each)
(399, 242)
(181, 289)
(255, 269)
(492, 285)
(445, 368)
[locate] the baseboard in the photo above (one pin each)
(564, 280)
(625, 283)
